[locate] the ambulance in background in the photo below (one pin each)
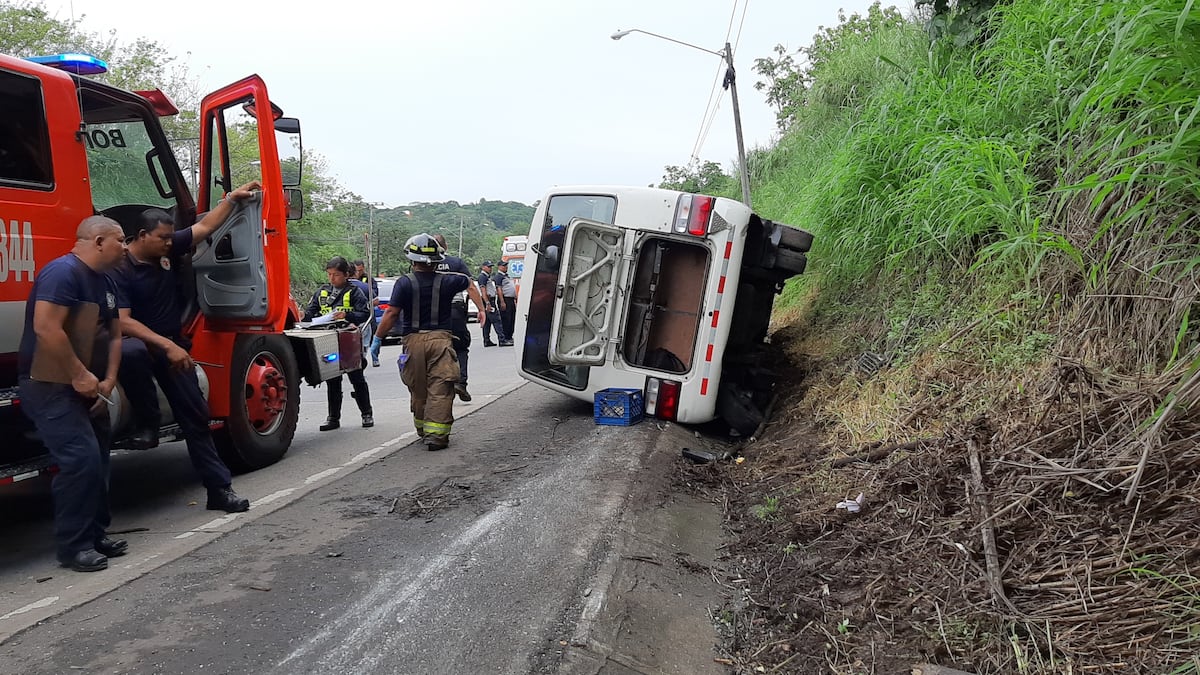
(658, 290)
(512, 250)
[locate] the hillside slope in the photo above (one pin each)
(996, 324)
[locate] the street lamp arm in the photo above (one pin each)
(622, 33)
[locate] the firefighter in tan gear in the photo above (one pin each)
(428, 366)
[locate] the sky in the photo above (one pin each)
(495, 99)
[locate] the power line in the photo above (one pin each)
(714, 98)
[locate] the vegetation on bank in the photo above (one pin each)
(999, 306)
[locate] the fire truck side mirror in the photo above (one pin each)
(295, 202)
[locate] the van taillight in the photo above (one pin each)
(662, 398)
(692, 213)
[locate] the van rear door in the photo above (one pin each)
(587, 299)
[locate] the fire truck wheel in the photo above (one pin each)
(264, 403)
(795, 239)
(790, 261)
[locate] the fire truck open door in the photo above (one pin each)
(237, 278)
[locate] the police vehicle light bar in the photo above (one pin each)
(80, 64)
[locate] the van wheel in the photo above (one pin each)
(790, 261)
(264, 403)
(736, 406)
(795, 239)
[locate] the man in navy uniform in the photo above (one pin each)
(458, 316)
(369, 286)
(345, 300)
(429, 366)
(154, 348)
(67, 368)
(487, 289)
(506, 295)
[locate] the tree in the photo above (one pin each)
(698, 177)
(791, 78)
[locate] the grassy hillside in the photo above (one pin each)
(997, 312)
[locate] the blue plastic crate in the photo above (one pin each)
(619, 407)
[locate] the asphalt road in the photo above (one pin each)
(362, 553)
(157, 494)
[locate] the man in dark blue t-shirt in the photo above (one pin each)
(67, 370)
(154, 348)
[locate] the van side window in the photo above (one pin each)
(24, 138)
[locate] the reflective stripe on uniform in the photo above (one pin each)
(437, 428)
(326, 305)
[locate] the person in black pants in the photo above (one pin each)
(345, 301)
(458, 316)
(487, 290)
(154, 348)
(64, 390)
(506, 291)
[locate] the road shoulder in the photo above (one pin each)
(649, 608)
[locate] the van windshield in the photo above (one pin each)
(559, 212)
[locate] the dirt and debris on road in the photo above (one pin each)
(1046, 533)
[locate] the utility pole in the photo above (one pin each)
(731, 84)
(369, 240)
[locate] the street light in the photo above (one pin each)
(730, 83)
(460, 234)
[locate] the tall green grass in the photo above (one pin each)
(1061, 154)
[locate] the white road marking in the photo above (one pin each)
(366, 454)
(217, 522)
(44, 602)
(321, 474)
(280, 494)
(147, 559)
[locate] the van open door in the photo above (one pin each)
(588, 296)
(237, 280)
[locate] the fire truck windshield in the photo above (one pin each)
(117, 161)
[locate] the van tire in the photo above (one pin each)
(260, 427)
(795, 239)
(736, 406)
(792, 262)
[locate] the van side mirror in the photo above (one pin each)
(295, 203)
(547, 259)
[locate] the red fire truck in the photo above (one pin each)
(70, 147)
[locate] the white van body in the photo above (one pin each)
(640, 287)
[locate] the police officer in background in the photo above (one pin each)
(429, 366)
(345, 301)
(458, 316)
(66, 367)
(487, 289)
(369, 287)
(506, 295)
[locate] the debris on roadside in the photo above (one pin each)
(852, 505)
(706, 456)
